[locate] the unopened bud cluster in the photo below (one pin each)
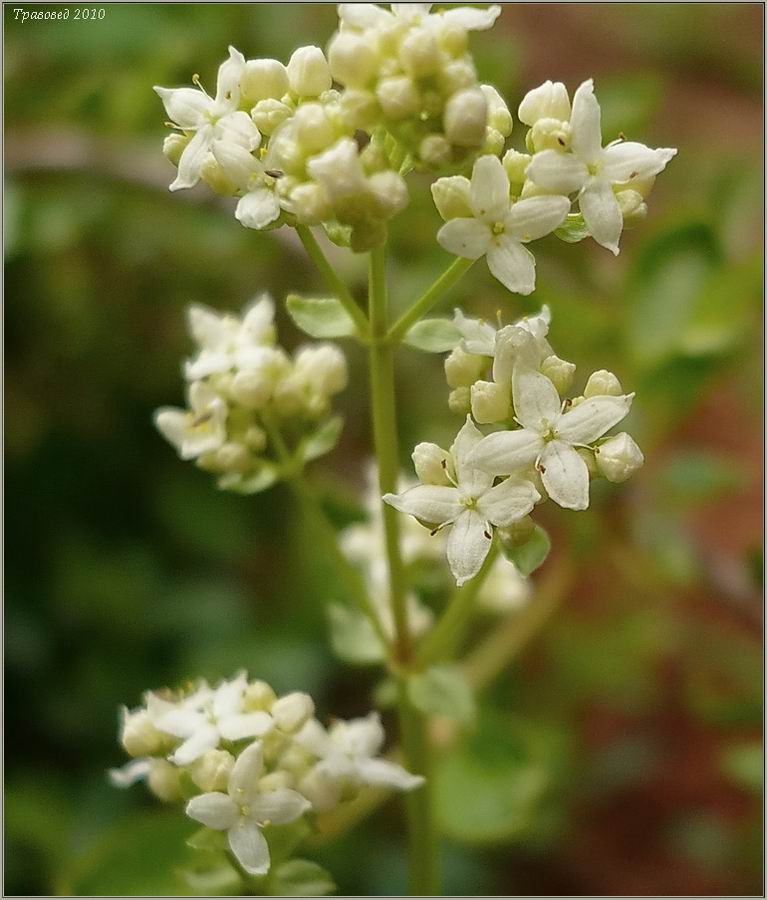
(241, 384)
(242, 758)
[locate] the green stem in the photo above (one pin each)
(340, 290)
(383, 406)
(423, 845)
(446, 636)
(455, 271)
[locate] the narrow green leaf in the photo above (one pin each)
(321, 317)
(433, 335)
(443, 691)
(353, 637)
(529, 556)
(323, 440)
(300, 878)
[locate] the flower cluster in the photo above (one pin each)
(409, 71)
(243, 759)
(550, 445)
(282, 140)
(240, 384)
(507, 204)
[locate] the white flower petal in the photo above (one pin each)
(214, 810)
(507, 451)
(249, 846)
(512, 264)
(192, 159)
(465, 441)
(467, 545)
(130, 773)
(514, 346)
(601, 213)
(432, 504)
(238, 128)
(227, 699)
(472, 18)
(187, 107)
(549, 100)
(478, 335)
(537, 216)
(586, 124)
(363, 15)
(489, 192)
(465, 237)
(243, 780)
(508, 501)
(279, 807)
(382, 773)
(237, 163)
(172, 423)
(206, 326)
(173, 718)
(592, 418)
(560, 173)
(245, 725)
(258, 320)
(626, 160)
(565, 475)
(258, 208)
(205, 738)
(314, 738)
(410, 11)
(536, 400)
(362, 737)
(228, 80)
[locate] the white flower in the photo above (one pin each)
(201, 429)
(369, 15)
(619, 457)
(244, 810)
(132, 772)
(549, 437)
(348, 752)
(471, 506)
(499, 228)
(207, 718)
(291, 711)
(258, 205)
(210, 118)
(592, 170)
(225, 341)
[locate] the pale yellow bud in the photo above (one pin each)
(435, 150)
(255, 438)
(419, 53)
(312, 129)
(321, 789)
(292, 711)
(232, 457)
(549, 134)
(262, 79)
(452, 39)
(431, 464)
(251, 389)
(275, 781)
(498, 115)
(632, 207)
(494, 142)
(459, 401)
(173, 146)
(211, 771)
(308, 72)
(490, 402)
(398, 97)
(259, 696)
(360, 108)
(390, 193)
(352, 60)
(457, 75)
(311, 203)
(619, 457)
(516, 164)
(163, 781)
(559, 372)
(214, 176)
(588, 457)
(466, 118)
(462, 369)
(269, 114)
(602, 384)
(139, 736)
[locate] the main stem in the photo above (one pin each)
(422, 833)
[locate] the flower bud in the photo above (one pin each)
(255, 438)
(517, 533)
(498, 115)
(313, 130)
(268, 115)
(419, 53)
(462, 369)
(321, 789)
(550, 100)
(373, 159)
(163, 781)
(451, 197)
(494, 143)
(139, 735)
(308, 72)
(211, 771)
(259, 696)
(353, 62)
(295, 760)
(516, 164)
(632, 207)
(452, 38)
(398, 97)
(339, 170)
(173, 146)
(602, 384)
(390, 193)
(262, 79)
(360, 108)
(435, 150)
(431, 464)
(466, 118)
(548, 134)
(459, 401)
(232, 457)
(323, 366)
(289, 395)
(457, 75)
(292, 711)
(214, 175)
(311, 203)
(559, 372)
(251, 389)
(275, 781)
(619, 457)
(490, 402)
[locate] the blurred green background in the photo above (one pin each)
(621, 752)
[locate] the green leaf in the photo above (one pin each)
(323, 440)
(262, 480)
(352, 636)
(323, 317)
(212, 880)
(300, 878)
(573, 229)
(207, 839)
(433, 335)
(283, 839)
(529, 556)
(443, 691)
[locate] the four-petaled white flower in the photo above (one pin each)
(499, 227)
(259, 204)
(349, 752)
(244, 810)
(471, 506)
(201, 428)
(592, 170)
(209, 118)
(207, 718)
(549, 437)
